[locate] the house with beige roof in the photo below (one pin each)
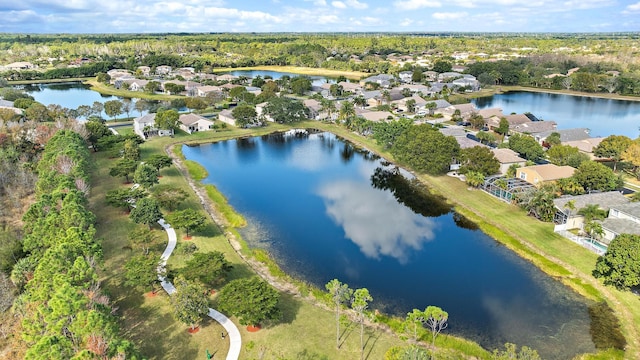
(226, 116)
(375, 116)
(191, 123)
(586, 146)
(203, 91)
(538, 174)
(508, 158)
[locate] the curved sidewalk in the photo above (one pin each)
(232, 330)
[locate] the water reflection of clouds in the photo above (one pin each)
(375, 221)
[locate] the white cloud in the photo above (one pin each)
(327, 19)
(365, 214)
(448, 15)
(339, 4)
(415, 4)
(357, 5)
(241, 15)
(633, 8)
(406, 22)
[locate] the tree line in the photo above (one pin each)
(64, 312)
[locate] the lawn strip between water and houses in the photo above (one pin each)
(147, 319)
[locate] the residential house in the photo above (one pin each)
(586, 146)
(449, 75)
(194, 123)
(226, 116)
(416, 88)
(163, 70)
(491, 116)
(534, 127)
(466, 110)
(430, 76)
(462, 137)
(538, 174)
(145, 127)
(406, 76)
(203, 91)
(144, 70)
(468, 81)
(623, 219)
(314, 107)
(419, 106)
(227, 77)
(260, 113)
(383, 80)
(375, 116)
(254, 90)
(567, 207)
(381, 99)
(136, 84)
(20, 65)
(507, 158)
(566, 135)
(4, 104)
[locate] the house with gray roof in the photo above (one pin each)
(575, 134)
(567, 207)
(383, 80)
(145, 126)
(534, 127)
(623, 219)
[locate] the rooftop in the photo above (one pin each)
(604, 200)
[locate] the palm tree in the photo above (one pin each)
(360, 101)
(347, 110)
(328, 106)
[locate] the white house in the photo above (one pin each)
(194, 123)
(226, 116)
(623, 219)
(145, 126)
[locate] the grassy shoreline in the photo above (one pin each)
(506, 89)
(353, 75)
(109, 90)
(48, 81)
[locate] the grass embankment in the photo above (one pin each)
(353, 75)
(149, 321)
(503, 89)
(110, 90)
(47, 81)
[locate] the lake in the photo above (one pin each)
(315, 80)
(325, 209)
(70, 95)
(603, 116)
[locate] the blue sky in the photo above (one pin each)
(145, 16)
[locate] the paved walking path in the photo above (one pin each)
(232, 331)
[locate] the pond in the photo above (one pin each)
(315, 80)
(70, 95)
(603, 116)
(325, 209)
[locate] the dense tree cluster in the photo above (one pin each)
(65, 315)
(426, 149)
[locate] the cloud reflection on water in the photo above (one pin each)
(375, 221)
